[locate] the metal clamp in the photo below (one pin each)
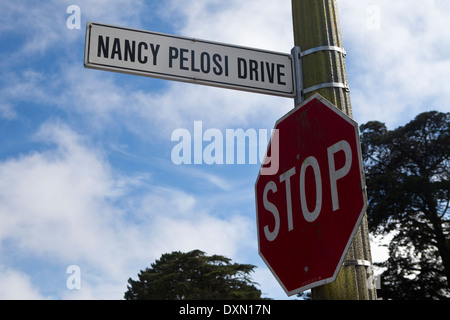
(326, 85)
(323, 48)
(297, 54)
(364, 263)
(298, 71)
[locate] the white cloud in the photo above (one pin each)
(43, 24)
(66, 204)
(182, 104)
(51, 200)
(38, 37)
(399, 64)
(17, 286)
(202, 231)
(19, 86)
(97, 96)
(7, 111)
(261, 24)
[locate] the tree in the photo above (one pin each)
(408, 186)
(193, 276)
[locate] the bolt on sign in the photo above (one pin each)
(146, 53)
(309, 211)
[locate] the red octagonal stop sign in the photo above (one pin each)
(310, 195)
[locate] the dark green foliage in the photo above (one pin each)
(408, 183)
(193, 276)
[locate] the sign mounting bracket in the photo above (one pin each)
(298, 54)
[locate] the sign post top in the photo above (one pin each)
(146, 53)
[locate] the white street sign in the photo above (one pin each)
(157, 55)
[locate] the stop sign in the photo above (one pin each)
(310, 195)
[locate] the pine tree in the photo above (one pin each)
(408, 183)
(193, 276)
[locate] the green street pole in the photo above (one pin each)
(317, 34)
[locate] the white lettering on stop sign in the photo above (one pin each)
(309, 163)
(342, 172)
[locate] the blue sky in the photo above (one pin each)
(86, 175)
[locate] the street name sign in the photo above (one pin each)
(309, 211)
(146, 53)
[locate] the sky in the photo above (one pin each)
(89, 191)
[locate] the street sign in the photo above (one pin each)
(309, 211)
(158, 55)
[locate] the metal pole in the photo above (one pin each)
(317, 33)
